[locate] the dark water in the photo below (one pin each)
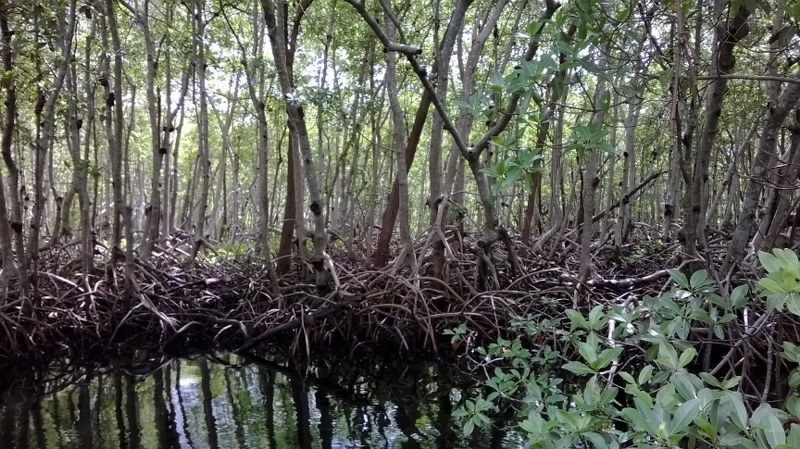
(234, 405)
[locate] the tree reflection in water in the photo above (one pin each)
(205, 404)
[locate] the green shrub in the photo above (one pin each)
(626, 376)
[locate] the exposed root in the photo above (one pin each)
(219, 304)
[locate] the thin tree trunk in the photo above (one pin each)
(283, 54)
(6, 251)
(728, 35)
(778, 109)
(204, 150)
(407, 255)
(623, 225)
(45, 130)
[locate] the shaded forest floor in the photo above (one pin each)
(226, 304)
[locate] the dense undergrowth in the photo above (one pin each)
(648, 374)
(638, 356)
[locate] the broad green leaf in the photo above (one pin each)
(679, 278)
(627, 377)
(794, 436)
(739, 297)
(699, 279)
(606, 356)
(577, 320)
(687, 356)
(645, 374)
(710, 379)
(667, 356)
(578, 368)
(770, 263)
(597, 440)
(588, 351)
(684, 416)
(684, 385)
(739, 415)
(764, 418)
(594, 317)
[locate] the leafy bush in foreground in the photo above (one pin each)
(628, 376)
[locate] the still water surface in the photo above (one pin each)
(205, 404)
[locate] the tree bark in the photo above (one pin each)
(778, 109)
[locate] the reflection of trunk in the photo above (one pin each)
(6, 427)
(208, 408)
(84, 417)
(236, 411)
(164, 420)
(184, 419)
(325, 419)
(267, 386)
(37, 421)
(132, 412)
(119, 412)
(444, 412)
(300, 399)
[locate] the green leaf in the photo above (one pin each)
(627, 377)
(739, 297)
(667, 356)
(684, 385)
(588, 351)
(606, 356)
(699, 279)
(679, 278)
(765, 418)
(793, 405)
(770, 263)
(578, 368)
(710, 380)
(577, 320)
(731, 383)
(597, 440)
(794, 379)
(534, 27)
(645, 374)
(594, 317)
(794, 436)
(739, 415)
(687, 356)
(469, 426)
(685, 414)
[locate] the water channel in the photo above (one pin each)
(229, 404)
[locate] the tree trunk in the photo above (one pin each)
(10, 113)
(283, 54)
(204, 149)
(778, 109)
(407, 255)
(728, 35)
